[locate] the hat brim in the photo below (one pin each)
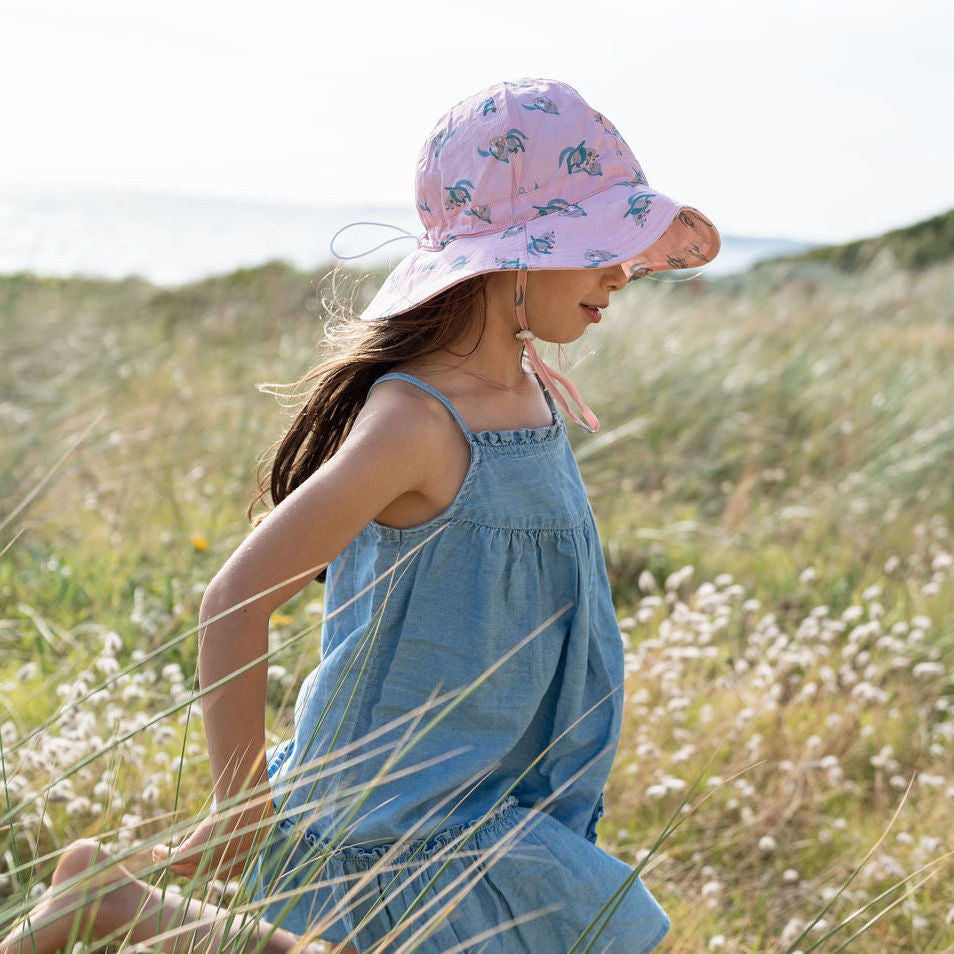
(637, 227)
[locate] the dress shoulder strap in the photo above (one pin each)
(424, 386)
(549, 398)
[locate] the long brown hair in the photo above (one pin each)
(338, 387)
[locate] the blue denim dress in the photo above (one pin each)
(443, 783)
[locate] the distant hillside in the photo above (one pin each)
(912, 247)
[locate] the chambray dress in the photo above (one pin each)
(444, 779)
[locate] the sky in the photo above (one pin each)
(818, 120)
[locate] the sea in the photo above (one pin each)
(172, 240)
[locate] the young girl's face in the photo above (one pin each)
(562, 303)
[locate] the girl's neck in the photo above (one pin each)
(483, 373)
(498, 368)
(489, 352)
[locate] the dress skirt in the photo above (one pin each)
(518, 882)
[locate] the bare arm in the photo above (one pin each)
(387, 456)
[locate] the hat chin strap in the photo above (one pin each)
(547, 375)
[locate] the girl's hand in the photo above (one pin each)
(219, 847)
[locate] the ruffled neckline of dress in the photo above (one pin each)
(520, 435)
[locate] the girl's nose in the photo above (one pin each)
(615, 277)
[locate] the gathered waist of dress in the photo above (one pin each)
(419, 847)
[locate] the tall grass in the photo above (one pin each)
(773, 487)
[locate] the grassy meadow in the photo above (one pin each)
(774, 482)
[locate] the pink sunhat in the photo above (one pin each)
(527, 176)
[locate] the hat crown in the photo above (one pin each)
(515, 152)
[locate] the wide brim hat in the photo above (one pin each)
(527, 175)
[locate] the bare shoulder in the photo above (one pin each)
(424, 445)
(402, 414)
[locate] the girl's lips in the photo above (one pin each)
(593, 312)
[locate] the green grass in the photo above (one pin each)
(786, 432)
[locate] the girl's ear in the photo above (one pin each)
(500, 289)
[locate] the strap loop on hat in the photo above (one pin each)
(547, 375)
(384, 225)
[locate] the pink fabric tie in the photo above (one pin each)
(547, 375)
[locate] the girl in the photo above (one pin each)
(441, 786)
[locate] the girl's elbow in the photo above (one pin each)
(223, 601)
